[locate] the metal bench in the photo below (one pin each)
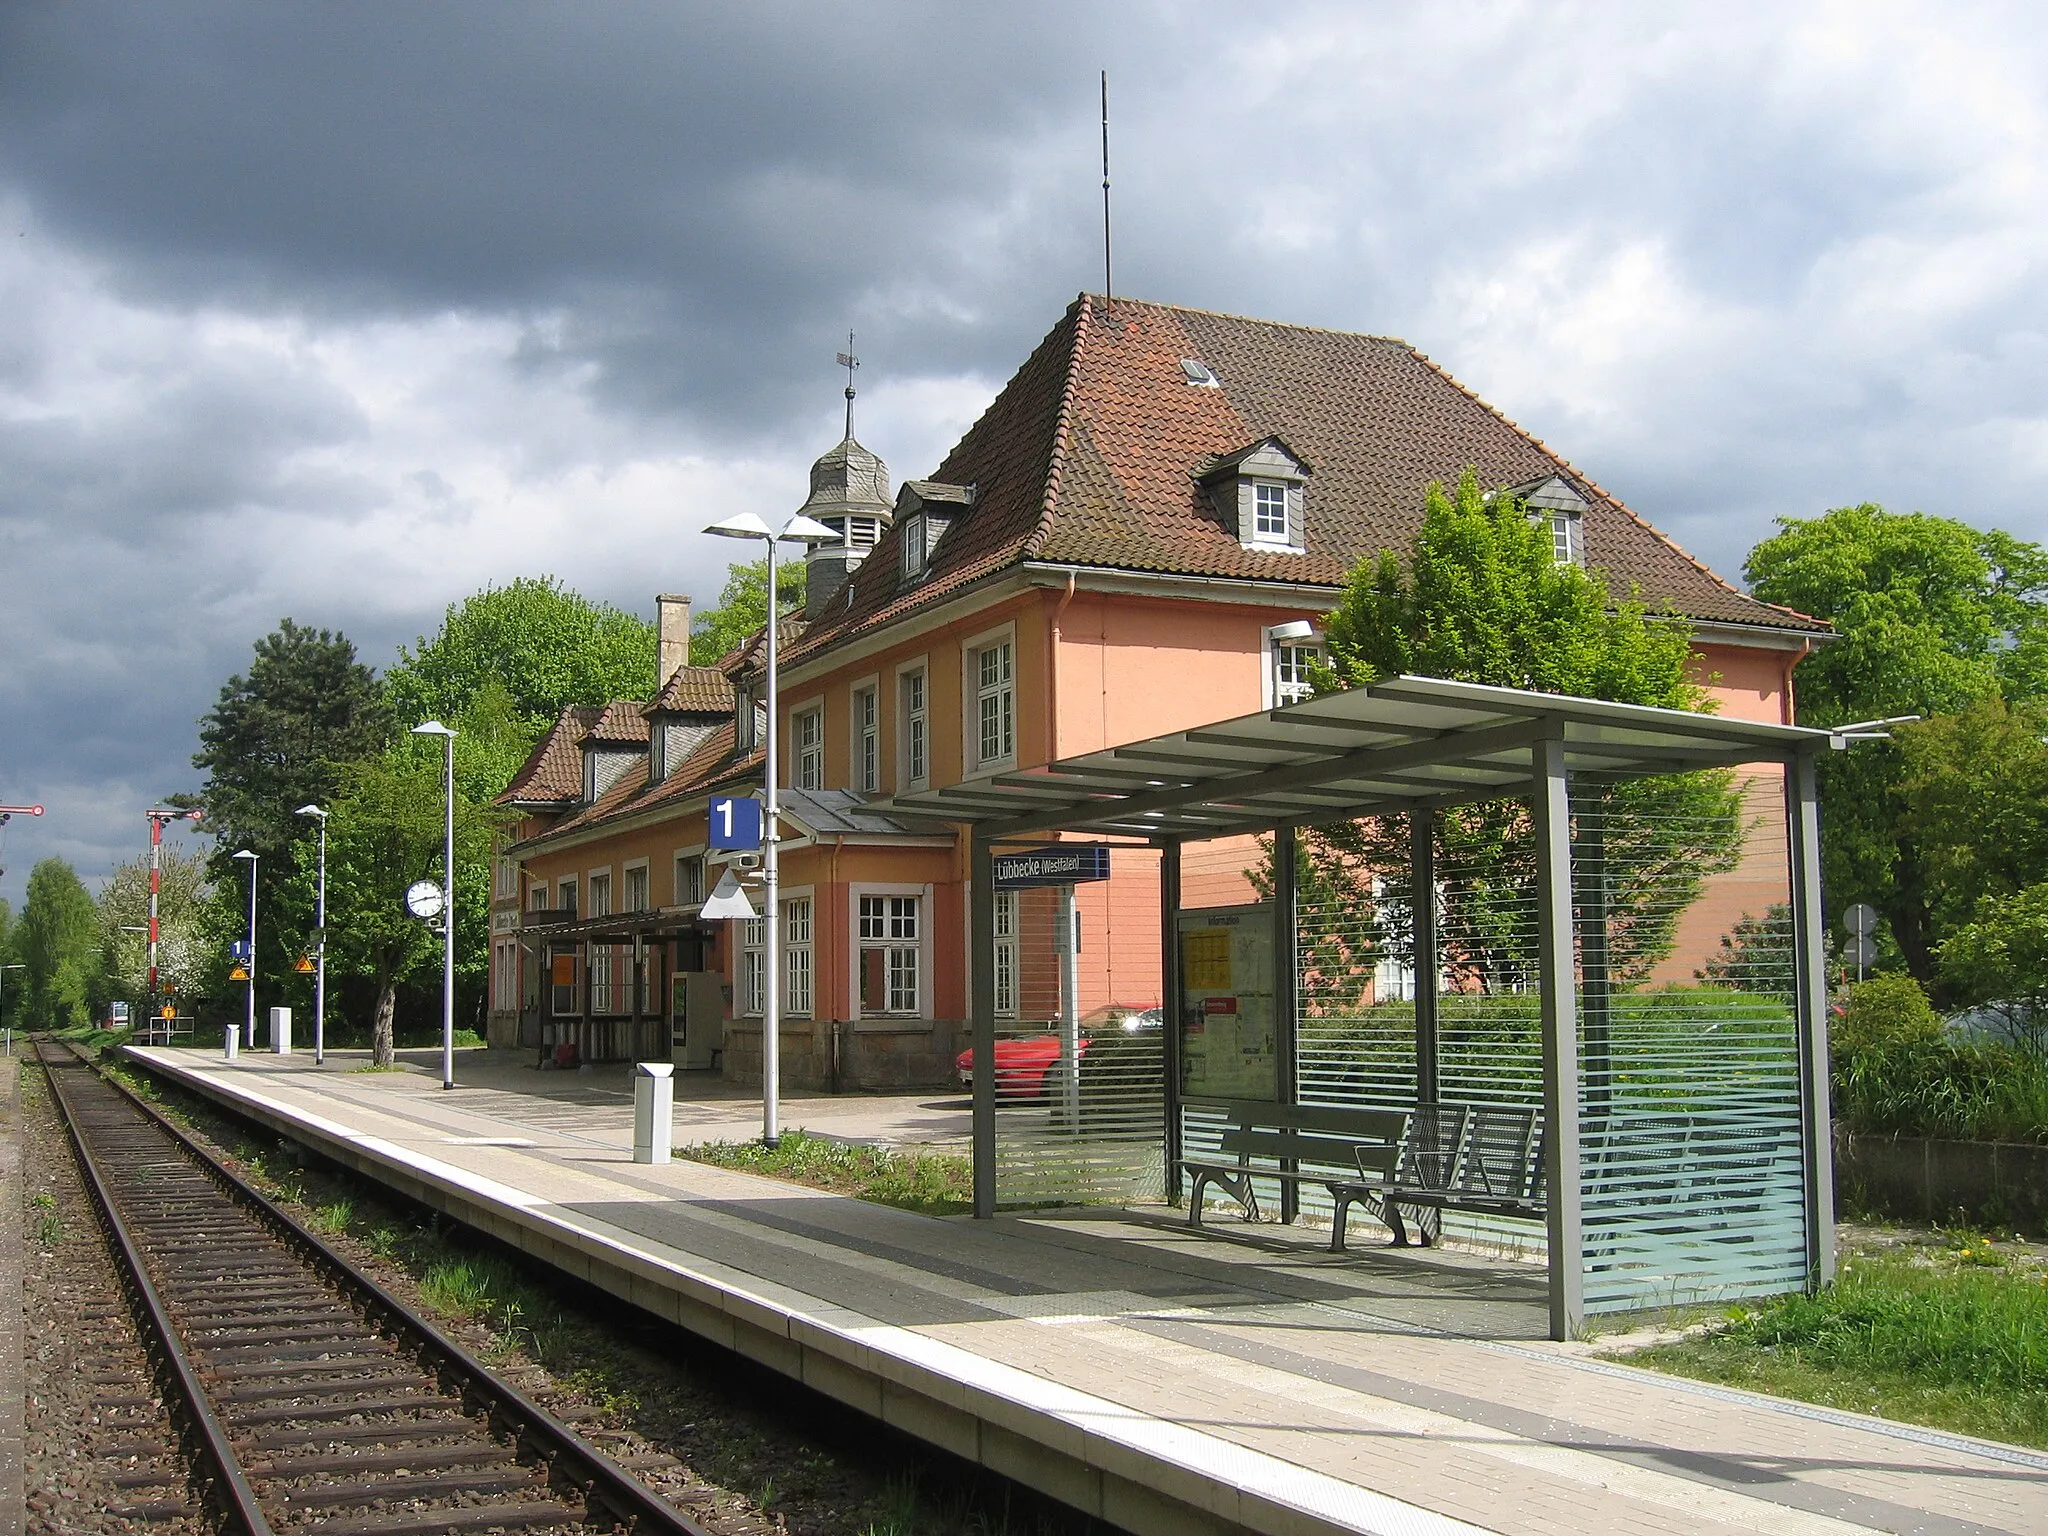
(1312, 1144)
(1456, 1157)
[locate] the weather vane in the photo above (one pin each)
(849, 362)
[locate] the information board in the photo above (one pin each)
(1229, 1048)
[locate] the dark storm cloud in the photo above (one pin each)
(343, 311)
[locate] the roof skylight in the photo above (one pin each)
(1199, 373)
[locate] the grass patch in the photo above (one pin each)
(1954, 1337)
(371, 1066)
(933, 1183)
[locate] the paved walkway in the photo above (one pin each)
(1141, 1371)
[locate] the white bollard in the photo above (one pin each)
(234, 1038)
(281, 1031)
(654, 1110)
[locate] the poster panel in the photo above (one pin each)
(1229, 1047)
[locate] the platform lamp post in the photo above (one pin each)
(319, 941)
(436, 728)
(806, 531)
(244, 853)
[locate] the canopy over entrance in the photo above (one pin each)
(1676, 1133)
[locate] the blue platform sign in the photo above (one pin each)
(1060, 864)
(239, 950)
(735, 824)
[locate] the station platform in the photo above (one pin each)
(1167, 1381)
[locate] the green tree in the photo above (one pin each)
(743, 606)
(57, 939)
(1932, 616)
(123, 905)
(523, 652)
(1973, 795)
(1483, 599)
(281, 736)
(384, 832)
(2000, 960)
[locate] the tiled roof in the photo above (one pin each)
(621, 723)
(553, 771)
(713, 763)
(1089, 456)
(695, 691)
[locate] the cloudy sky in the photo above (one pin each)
(343, 311)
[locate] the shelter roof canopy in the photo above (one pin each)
(1387, 746)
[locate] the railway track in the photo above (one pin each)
(309, 1398)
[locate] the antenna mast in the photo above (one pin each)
(849, 362)
(1108, 289)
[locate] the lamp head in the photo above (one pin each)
(311, 810)
(741, 525)
(243, 853)
(807, 530)
(432, 728)
(1297, 629)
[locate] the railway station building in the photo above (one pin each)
(1136, 541)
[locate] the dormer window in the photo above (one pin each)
(1554, 502)
(915, 554)
(1261, 492)
(1269, 512)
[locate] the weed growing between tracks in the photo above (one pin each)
(763, 1455)
(932, 1183)
(1950, 1332)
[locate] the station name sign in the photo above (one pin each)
(1060, 864)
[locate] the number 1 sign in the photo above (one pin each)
(735, 824)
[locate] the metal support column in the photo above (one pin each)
(1551, 809)
(981, 1016)
(1170, 1008)
(1802, 828)
(1285, 977)
(1428, 964)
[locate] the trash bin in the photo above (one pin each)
(281, 1031)
(654, 1110)
(234, 1037)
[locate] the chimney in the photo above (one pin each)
(672, 620)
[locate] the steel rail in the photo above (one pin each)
(217, 1457)
(571, 1457)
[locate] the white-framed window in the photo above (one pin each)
(995, 703)
(504, 977)
(600, 893)
(1269, 512)
(537, 896)
(636, 888)
(808, 748)
(505, 879)
(754, 967)
(1288, 664)
(565, 896)
(689, 887)
(890, 955)
(603, 964)
(1567, 538)
(797, 967)
(914, 551)
(867, 739)
(917, 728)
(863, 532)
(1006, 954)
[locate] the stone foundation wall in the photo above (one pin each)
(845, 1055)
(1918, 1178)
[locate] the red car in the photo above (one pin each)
(1025, 1063)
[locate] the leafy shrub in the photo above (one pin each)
(1897, 1072)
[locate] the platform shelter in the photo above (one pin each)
(1592, 927)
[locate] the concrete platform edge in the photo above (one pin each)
(1146, 1475)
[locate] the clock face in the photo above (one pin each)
(423, 899)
